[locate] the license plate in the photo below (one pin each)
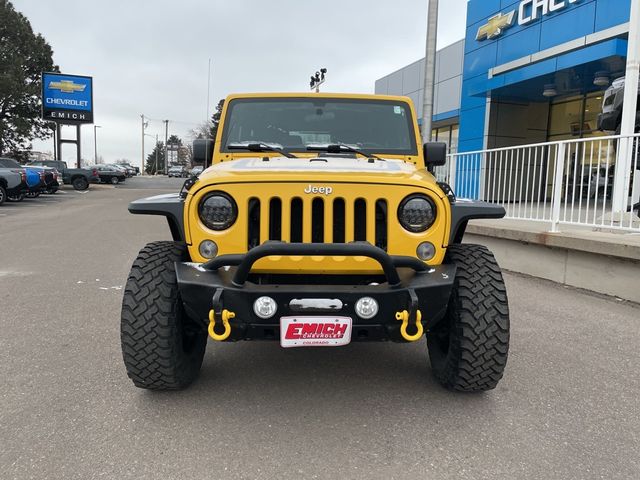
(314, 331)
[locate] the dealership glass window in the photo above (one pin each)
(455, 134)
(448, 134)
(592, 108)
(577, 117)
(564, 119)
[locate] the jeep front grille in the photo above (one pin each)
(317, 220)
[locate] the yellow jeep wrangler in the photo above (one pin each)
(318, 223)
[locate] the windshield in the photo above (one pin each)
(373, 126)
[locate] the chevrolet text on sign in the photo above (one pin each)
(67, 98)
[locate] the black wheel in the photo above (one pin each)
(161, 346)
(16, 198)
(80, 183)
(468, 348)
(114, 180)
(3, 195)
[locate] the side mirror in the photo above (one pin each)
(435, 154)
(202, 151)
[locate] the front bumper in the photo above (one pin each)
(222, 284)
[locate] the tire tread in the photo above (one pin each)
(479, 313)
(150, 333)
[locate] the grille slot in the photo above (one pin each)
(296, 220)
(331, 220)
(360, 220)
(381, 224)
(275, 219)
(254, 223)
(338, 221)
(317, 221)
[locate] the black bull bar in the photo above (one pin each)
(223, 283)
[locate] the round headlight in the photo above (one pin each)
(416, 213)
(218, 211)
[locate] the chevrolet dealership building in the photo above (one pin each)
(526, 72)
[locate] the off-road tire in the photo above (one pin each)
(468, 348)
(162, 348)
(80, 183)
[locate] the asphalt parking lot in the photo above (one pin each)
(567, 407)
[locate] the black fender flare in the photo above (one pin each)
(170, 206)
(464, 210)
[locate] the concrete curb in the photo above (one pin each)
(601, 243)
(596, 261)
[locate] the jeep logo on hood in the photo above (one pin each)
(320, 190)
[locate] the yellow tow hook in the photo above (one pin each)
(226, 316)
(403, 316)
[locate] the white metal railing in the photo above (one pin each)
(564, 182)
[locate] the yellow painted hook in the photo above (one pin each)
(404, 318)
(226, 315)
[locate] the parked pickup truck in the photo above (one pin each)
(13, 182)
(79, 178)
(39, 179)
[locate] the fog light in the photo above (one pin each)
(208, 249)
(265, 307)
(426, 251)
(367, 308)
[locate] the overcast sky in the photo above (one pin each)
(151, 56)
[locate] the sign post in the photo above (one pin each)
(67, 100)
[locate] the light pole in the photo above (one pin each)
(95, 143)
(208, 89)
(166, 140)
(430, 69)
(144, 126)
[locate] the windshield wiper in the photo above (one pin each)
(260, 147)
(339, 148)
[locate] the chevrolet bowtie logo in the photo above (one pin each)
(495, 26)
(67, 86)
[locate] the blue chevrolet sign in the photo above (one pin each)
(67, 98)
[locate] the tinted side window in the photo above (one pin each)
(9, 163)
